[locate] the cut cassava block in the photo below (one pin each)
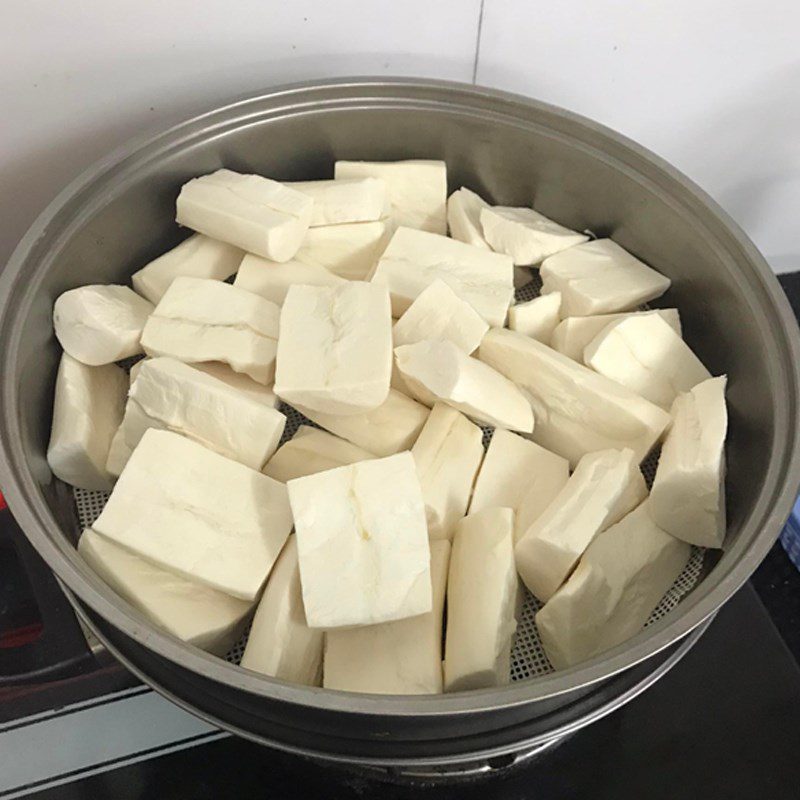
(401, 657)
(335, 348)
(604, 487)
(415, 259)
(87, 410)
(481, 602)
(195, 257)
(193, 511)
(257, 214)
(688, 495)
(609, 597)
(98, 325)
(362, 543)
(205, 320)
(577, 411)
(198, 614)
(280, 643)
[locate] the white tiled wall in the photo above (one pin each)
(712, 86)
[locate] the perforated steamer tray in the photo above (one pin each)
(528, 659)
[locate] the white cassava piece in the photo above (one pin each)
(362, 538)
(257, 214)
(204, 320)
(98, 325)
(335, 348)
(206, 517)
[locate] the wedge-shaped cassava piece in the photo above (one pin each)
(604, 487)
(482, 592)
(362, 543)
(236, 380)
(391, 427)
(193, 511)
(205, 320)
(415, 259)
(615, 588)
(436, 370)
(335, 348)
(198, 614)
(343, 201)
(310, 451)
(272, 280)
(645, 354)
(439, 313)
(537, 318)
(577, 411)
(600, 277)
(350, 251)
(448, 454)
(416, 189)
(525, 235)
(195, 257)
(171, 395)
(98, 325)
(401, 657)
(254, 213)
(464, 217)
(572, 334)
(688, 495)
(520, 475)
(87, 410)
(280, 643)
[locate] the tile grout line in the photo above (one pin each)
(478, 44)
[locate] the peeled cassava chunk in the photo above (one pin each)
(645, 354)
(310, 451)
(520, 475)
(100, 324)
(572, 334)
(400, 657)
(525, 235)
(204, 617)
(256, 214)
(436, 370)
(341, 201)
(537, 318)
(195, 257)
(688, 495)
(362, 543)
(168, 394)
(205, 320)
(464, 217)
(447, 453)
(87, 411)
(577, 411)
(415, 259)
(599, 277)
(416, 189)
(190, 510)
(280, 643)
(391, 427)
(609, 597)
(335, 348)
(272, 280)
(604, 487)
(481, 602)
(439, 313)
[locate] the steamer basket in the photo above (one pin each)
(513, 151)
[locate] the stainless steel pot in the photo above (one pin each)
(119, 215)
